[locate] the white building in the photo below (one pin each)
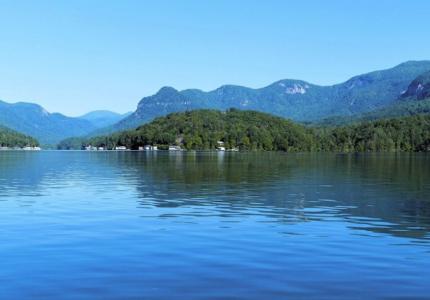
(220, 146)
(175, 148)
(148, 148)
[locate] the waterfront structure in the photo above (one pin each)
(175, 148)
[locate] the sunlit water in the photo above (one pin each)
(79, 225)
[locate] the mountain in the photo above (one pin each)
(415, 100)
(419, 89)
(294, 99)
(103, 118)
(48, 128)
(380, 92)
(11, 138)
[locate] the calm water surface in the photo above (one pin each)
(78, 225)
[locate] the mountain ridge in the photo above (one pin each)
(103, 118)
(298, 100)
(33, 120)
(294, 99)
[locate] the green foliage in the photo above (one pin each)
(250, 130)
(74, 143)
(202, 129)
(398, 109)
(11, 138)
(400, 134)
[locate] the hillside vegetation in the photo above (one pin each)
(399, 109)
(250, 130)
(410, 134)
(202, 129)
(11, 138)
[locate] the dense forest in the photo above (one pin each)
(202, 129)
(11, 138)
(398, 134)
(250, 130)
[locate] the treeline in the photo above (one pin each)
(11, 138)
(399, 134)
(250, 130)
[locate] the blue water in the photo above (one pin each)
(79, 225)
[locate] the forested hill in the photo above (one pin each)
(11, 138)
(202, 129)
(250, 130)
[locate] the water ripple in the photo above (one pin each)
(78, 225)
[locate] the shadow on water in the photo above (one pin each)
(376, 193)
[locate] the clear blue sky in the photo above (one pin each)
(76, 56)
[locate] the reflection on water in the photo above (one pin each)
(214, 225)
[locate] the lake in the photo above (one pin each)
(187, 225)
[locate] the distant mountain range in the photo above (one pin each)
(33, 120)
(50, 128)
(414, 100)
(385, 92)
(293, 99)
(104, 118)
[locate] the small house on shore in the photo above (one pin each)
(175, 148)
(220, 146)
(148, 148)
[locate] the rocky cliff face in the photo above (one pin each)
(419, 89)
